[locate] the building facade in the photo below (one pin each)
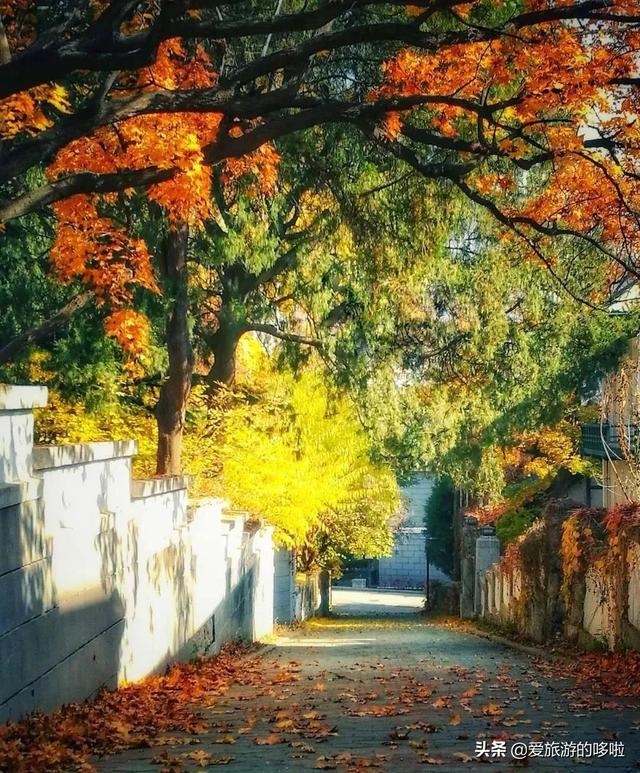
(407, 566)
(615, 439)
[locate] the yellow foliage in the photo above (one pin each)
(301, 460)
(291, 452)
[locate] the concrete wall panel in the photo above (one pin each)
(103, 580)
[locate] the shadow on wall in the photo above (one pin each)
(104, 580)
(146, 610)
(50, 652)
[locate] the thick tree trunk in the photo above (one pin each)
(224, 344)
(325, 593)
(174, 393)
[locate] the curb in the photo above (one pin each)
(527, 649)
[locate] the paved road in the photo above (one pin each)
(394, 696)
(357, 602)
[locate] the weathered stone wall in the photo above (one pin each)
(530, 597)
(104, 579)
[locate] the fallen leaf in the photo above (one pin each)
(430, 760)
(325, 763)
(270, 740)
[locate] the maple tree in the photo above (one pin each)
(472, 93)
(495, 100)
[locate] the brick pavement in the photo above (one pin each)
(395, 696)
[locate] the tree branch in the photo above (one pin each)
(41, 332)
(92, 50)
(275, 332)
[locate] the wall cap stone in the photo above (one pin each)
(23, 491)
(22, 398)
(153, 487)
(48, 457)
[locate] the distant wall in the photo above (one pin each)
(416, 495)
(296, 595)
(284, 584)
(105, 579)
(407, 566)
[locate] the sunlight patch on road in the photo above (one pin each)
(306, 643)
(332, 623)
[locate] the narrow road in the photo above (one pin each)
(396, 695)
(371, 602)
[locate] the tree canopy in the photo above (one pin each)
(438, 202)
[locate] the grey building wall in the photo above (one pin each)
(587, 491)
(416, 495)
(407, 567)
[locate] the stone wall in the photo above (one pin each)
(530, 598)
(416, 494)
(407, 566)
(105, 579)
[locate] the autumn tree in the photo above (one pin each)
(501, 363)
(529, 110)
(295, 454)
(318, 264)
(475, 94)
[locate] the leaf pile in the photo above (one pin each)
(135, 716)
(615, 673)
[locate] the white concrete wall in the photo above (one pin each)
(105, 580)
(296, 595)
